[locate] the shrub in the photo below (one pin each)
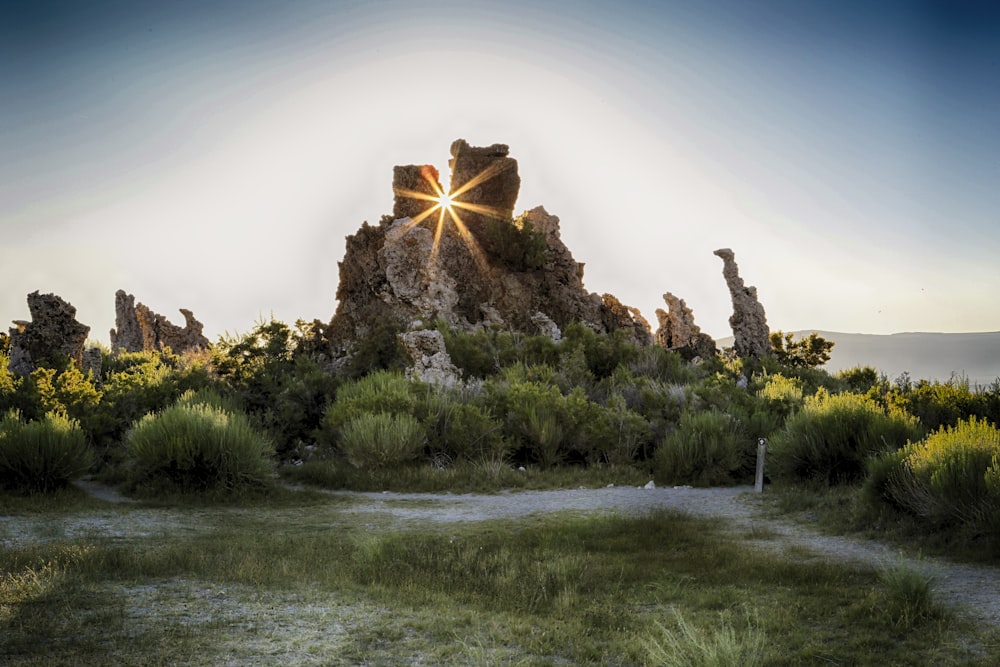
(704, 451)
(832, 437)
(382, 391)
(373, 441)
(616, 434)
(859, 379)
(808, 352)
(951, 477)
(42, 455)
(462, 430)
(194, 446)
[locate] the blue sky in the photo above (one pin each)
(214, 155)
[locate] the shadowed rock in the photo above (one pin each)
(140, 329)
(512, 274)
(748, 321)
(677, 330)
(52, 333)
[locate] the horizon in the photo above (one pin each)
(214, 155)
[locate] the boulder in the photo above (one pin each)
(748, 321)
(431, 362)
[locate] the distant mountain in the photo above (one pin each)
(930, 356)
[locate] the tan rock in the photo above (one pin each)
(748, 321)
(51, 334)
(139, 329)
(431, 362)
(677, 330)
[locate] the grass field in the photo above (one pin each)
(295, 580)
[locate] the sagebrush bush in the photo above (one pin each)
(382, 391)
(832, 438)
(704, 451)
(194, 446)
(951, 477)
(42, 455)
(377, 440)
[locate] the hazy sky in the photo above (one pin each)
(213, 155)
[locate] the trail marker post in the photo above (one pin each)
(761, 452)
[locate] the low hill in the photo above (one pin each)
(931, 356)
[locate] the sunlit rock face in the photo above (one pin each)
(138, 329)
(470, 264)
(53, 332)
(677, 330)
(750, 331)
(485, 179)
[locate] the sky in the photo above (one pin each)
(214, 155)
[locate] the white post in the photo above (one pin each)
(761, 451)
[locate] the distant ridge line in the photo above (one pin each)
(924, 355)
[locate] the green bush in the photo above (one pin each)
(194, 446)
(832, 438)
(950, 478)
(276, 373)
(42, 455)
(459, 428)
(382, 391)
(705, 450)
(373, 441)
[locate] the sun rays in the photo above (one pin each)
(447, 205)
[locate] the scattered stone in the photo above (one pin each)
(677, 330)
(748, 321)
(431, 362)
(52, 332)
(650, 485)
(140, 329)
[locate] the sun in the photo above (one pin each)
(444, 201)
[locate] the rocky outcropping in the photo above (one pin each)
(431, 362)
(748, 321)
(677, 330)
(52, 335)
(469, 263)
(139, 329)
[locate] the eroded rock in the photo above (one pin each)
(677, 330)
(140, 329)
(474, 266)
(748, 321)
(51, 334)
(431, 362)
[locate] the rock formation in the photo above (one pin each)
(138, 328)
(677, 330)
(53, 333)
(473, 266)
(431, 362)
(750, 332)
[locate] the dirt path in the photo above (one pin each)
(972, 590)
